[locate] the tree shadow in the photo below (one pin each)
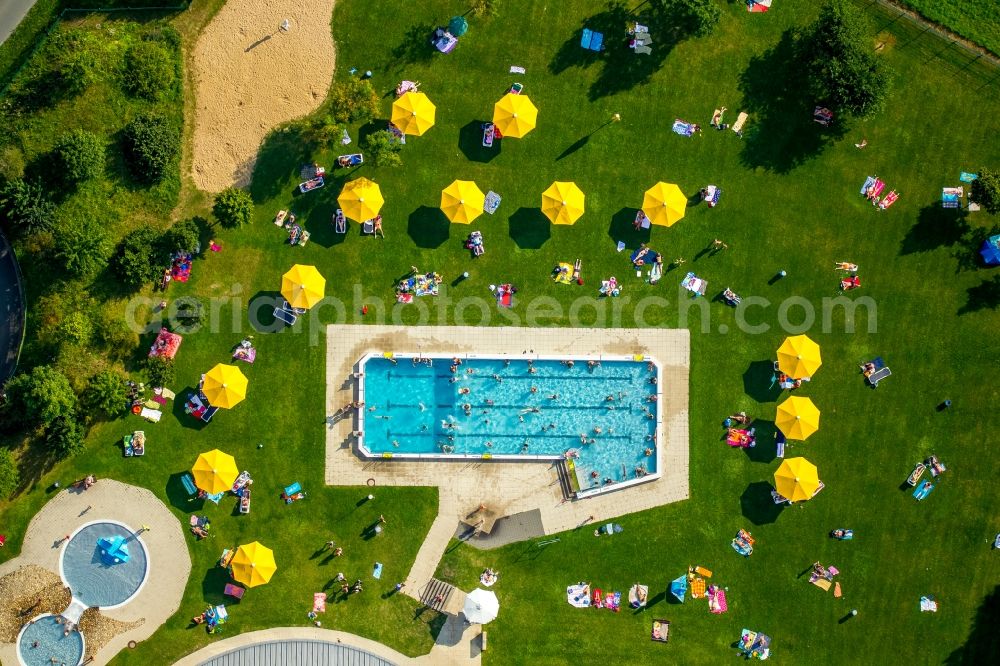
(757, 382)
(622, 228)
(415, 47)
(781, 134)
(758, 506)
(983, 644)
(935, 227)
(428, 227)
(470, 142)
(529, 228)
(279, 158)
(766, 449)
(984, 296)
(967, 253)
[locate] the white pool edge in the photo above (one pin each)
(20, 659)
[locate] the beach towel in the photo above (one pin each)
(869, 181)
(923, 490)
(821, 583)
(319, 602)
(564, 274)
(967, 177)
(698, 588)
(683, 128)
(718, 605)
(505, 299)
(836, 591)
(928, 605)
(514, 69)
(578, 596)
(377, 572)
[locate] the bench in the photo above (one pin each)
(482, 641)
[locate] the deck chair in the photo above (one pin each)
(284, 315)
(339, 222)
(740, 122)
(234, 591)
(368, 227)
(878, 376)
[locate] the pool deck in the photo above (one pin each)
(505, 487)
(165, 542)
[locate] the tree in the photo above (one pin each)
(841, 64)
(107, 392)
(83, 246)
(10, 476)
(65, 435)
(149, 71)
(183, 236)
(353, 101)
(233, 207)
(160, 370)
(986, 190)
(24, 204)
(151, 144)
(79, 156)
(41, 395)
(139, 259)
(321, 131)
(693, 17)
(383, 148)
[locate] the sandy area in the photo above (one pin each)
(28, 592)
(251, 76)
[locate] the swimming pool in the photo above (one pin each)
(52, 644)
(599, 415)
(92, 581)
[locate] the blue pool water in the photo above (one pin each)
(51, 643)
(420, 409)
(98, 584)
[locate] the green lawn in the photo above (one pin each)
(790, 202)
(976, 21)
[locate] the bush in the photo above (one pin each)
(986, 190)
(383, 148)
(64, 435)
(139, 259)
(25, 205)
(233, 207)
(83, 247)
(149, 71)
(10, 476)
(184, 236)
(71, 54)
(79, 156)
(107, 392)
(160, 371)
(353, 101)
(321, 131)
(41, 396)
(151, 144)
(698, 16)
(76, 329)
(117, 337)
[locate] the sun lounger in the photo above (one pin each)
(188, 482)
(915, 475)
(779, 498)
(877, 376)
(311, 184)
(245, 501)
(489, 133)
(285, 316)
(368, 227)
(641, 221)
(741, 120)
(888, 200)
(319, 602)
(339, 222)
(491, 202)
(923, 490)
(711, 195)
(661, 631)
(730, 297)
(352, 160)
(234, 591)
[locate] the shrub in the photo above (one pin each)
(699, 17)
(383, 148)
(76, 329)
(41, 395)
(79, 156)
(233, 207)
(986, 190)
(151, 144)
(25, 205)
(149, 71)
(64, 435)
(139, 259)
(71, 54)
(10, 476)
(353, 101)
(160, 371)
(117, 337)
(183, 236)
(107, 392)
(83, 247)
(321, 131)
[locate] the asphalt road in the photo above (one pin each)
(11, 13)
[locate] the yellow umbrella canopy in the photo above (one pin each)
(303, 286)
(361, 199)
(214, 471)
(462, 201)
(515, 115)
(224, 386)
(798, 356)
(413, 113)
(253, 564)
(562, 203)
(797, 418)
(797, 479)
(664, 204)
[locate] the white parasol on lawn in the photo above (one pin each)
(481, 606)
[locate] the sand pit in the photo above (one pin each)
(251, 76)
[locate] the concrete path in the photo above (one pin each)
(11, 13)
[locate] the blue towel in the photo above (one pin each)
(377, 573)
(294, 488)
(215, 498)
(188, 482)
(922, 491)
(585, 39)
(967, 177)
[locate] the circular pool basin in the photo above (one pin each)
(91, 578)
(45, 632)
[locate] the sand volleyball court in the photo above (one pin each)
(251, 76)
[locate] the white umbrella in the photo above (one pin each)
(481, 606)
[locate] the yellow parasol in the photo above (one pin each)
(514, 115)
(797, 418)
(796, 479)
(664, 204)
(224, 386)
(214, 471)
(361, 199)
(253, 564)
(562, 203)
(462, 201)
(413, 113)
(798, 356)
(303, 286)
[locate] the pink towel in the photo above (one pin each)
(720, 602)
(833, 570)
(215, 247)
(319, 602)
(160, 399)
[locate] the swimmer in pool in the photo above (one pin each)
(422, 406)
(489, 402)
(395, 443)
(534, 389)
(597, 430)
(489, 445)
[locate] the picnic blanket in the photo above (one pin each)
(694, 284)
(613, 600)
(717, 601)
(563, 274)
(967, 177)
(822, 583)
(377, 571)
(578, 595)
(166, 344)
(698, 588)
(319, 602)
(683, 128)
(643, 256)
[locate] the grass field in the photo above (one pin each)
(790, 201)
(976, 21)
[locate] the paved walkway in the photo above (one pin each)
(165, 544)
(11, 13)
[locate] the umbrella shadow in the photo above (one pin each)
(529, 228)
(319, 224)
(428, 227)
(186, 420)
(758, 506)
(213, 585)
(622, 228)
(260, 312)
(766, 449)
(758, 382)
(470, 142)
(179, 496)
